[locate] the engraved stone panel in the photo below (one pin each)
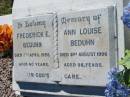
(33, 43)
(85, 47)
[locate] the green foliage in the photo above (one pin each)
(124, 76)
(120, 77)
(126, 60)
(5, 7)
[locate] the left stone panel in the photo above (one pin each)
(33, 43)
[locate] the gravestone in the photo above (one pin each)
(64, 53)
(79, 45)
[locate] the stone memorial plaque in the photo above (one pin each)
(86, 43)
(75, 48)
(33, 43)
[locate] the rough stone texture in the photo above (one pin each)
(6, 78)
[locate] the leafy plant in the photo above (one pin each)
(124, 76)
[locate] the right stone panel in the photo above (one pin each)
(85, 47)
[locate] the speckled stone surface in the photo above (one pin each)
(6, 78)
